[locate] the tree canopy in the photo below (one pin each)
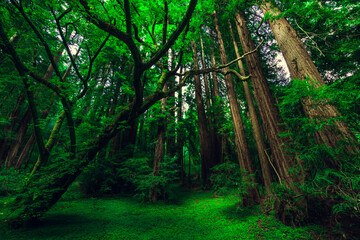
(133, 96)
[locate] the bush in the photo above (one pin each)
(229, 179)
(137, 171)
(11, 181)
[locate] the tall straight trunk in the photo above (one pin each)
(214, 76)
(281, 161)
(5, 143)
(301, 66)
(179, 137)
(259, 141)
(170, 128)
(216, 145)
(206, 84)
(206, 150)
(240, 138)
(31, 141)
(221, 139)
(20, 133)
(159, 150)
(268, 111)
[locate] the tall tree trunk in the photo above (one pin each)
(273, 126)
(240, 138)
(301, 66)
(259, 141)
(20, 134)
(216, 145)
(159, 150)
(23, 126)
(268, 111)
(170, 128)
(206, 150)
(179, 137)
(221, 138)
(5, 143)
(31, 141)
(206, 84)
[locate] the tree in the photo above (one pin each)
(302, 67)
(260, 144)
(206, 149)
(80, 156)
(240, 138)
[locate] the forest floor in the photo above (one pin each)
(198, 215)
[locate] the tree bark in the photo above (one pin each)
(20, 134)
(216, 145)
(240, 138)
(268, 111)
(221, 137)
(281, 161)
(206, 150)
(159, 150)
(259, 141)
(179, 137)
(14, 115)
(301, 66)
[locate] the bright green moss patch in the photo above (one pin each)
(198, 217)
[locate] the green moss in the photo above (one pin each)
(199, 216)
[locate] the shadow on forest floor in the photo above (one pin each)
(195, 216)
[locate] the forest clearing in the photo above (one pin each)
(194, 215)
(113, 111)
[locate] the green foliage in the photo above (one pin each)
(138, 172)
(229, 179)
(11, 181)
(200, 216)
(336, 187)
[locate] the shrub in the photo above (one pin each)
(228, 178)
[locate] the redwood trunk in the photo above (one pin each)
(240, 138)
(216, 145)
(268, 111)
(179, 138)
(14, 115)
(159, 150)
(220, 138)
(20, 134)
(301, 66)
(205, 141)
(259, 141)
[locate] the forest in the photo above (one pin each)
(186, 119)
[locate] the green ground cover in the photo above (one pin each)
(195, 216)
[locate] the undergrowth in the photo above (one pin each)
(198, 215)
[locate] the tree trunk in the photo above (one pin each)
(206, 150)
(179, 137)
(159, 150)
(20, 134)
(268, 111)
(14, 115)
(259, 141)
(49, 145)
(240, 138)
(15, 147)
(301, 66)
(282, 162)
(170, 128)
(211, 116)
(221, 139)
(206, 85)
